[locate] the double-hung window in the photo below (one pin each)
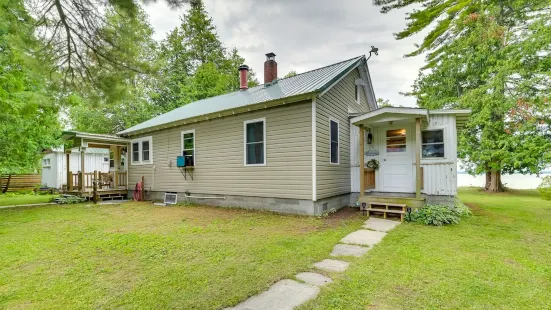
(255, 142)
(432, 143)
(142, 151)
(334, 141)
(188, 147)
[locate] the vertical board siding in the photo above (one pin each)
(333, 179)
(219, 156)
(56, 175)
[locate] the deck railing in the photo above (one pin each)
(109, 180)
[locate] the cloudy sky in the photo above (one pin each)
(309, 34)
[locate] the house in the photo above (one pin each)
(292, 145)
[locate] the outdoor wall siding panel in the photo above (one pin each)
(354, 107)
(333, 179)
(219, 156)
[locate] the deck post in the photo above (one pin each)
(81, 180)
(95, 187)
(362, 160)
(418, 176)
(117, 159)
(68, 172)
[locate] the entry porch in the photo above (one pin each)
(405, 155)
(97, 185)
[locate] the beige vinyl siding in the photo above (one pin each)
(219, 156)
(333, 179)
(353, 105)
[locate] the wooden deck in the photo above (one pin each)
(89, 192)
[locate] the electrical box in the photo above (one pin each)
(180, 161)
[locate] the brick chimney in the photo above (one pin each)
(243, 77)
(270, 68)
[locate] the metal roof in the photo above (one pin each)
(304, 83)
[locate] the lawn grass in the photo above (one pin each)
(136, 255)
(498, 259)
(23, 199)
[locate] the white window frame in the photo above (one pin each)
(48, 165)
(258, 120)
(140, 151)
(443, 141)
(357, 93)
(338, 141)
(194, 145)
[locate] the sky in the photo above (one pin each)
(309, 34)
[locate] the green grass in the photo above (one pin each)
(137, 255)
(23, 199)
(498, 259)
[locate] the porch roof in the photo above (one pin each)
(383, 116)
(88, 140)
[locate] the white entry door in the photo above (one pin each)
(396, 164)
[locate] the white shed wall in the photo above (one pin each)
(56, 174)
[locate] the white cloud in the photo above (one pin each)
(309, 34)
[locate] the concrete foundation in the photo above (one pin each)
(280, 205)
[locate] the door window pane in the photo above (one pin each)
(396, 140)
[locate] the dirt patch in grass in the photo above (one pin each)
(346, 213)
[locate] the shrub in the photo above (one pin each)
(545, 188)
(438, 215)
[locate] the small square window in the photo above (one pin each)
(432, 143)
(396, 141)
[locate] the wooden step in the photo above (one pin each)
(385, 210)
(399, 205)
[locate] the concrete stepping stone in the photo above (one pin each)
(349, 250)
(313, 278)
(283, 295)
(332, 265)
(378, 224)
(364, 237)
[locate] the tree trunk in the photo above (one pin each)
(7, 185)
(495, 182)
(488, 180)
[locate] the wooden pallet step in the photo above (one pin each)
(398, 205)
(385, 211)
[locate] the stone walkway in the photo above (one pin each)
(289, 294)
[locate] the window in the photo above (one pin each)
(46, 162)
(111, 159)
(188, 147)
(141, 151)
(432, 143)
(255, 142)
(334, 138)
(357, 93)
(396, 141)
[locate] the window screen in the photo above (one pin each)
(145, 150)
(334, 142)
(255, 143)
(188, 142)
(135, 152)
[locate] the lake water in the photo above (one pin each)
(517, 181)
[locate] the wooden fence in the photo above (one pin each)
(19, 182)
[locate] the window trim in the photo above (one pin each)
(331, 119)
(357, 94)
(182, 144)
(140, 151)
(263, 120)
(48, 165)
(443, 142)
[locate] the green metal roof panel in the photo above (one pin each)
(300, 84)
